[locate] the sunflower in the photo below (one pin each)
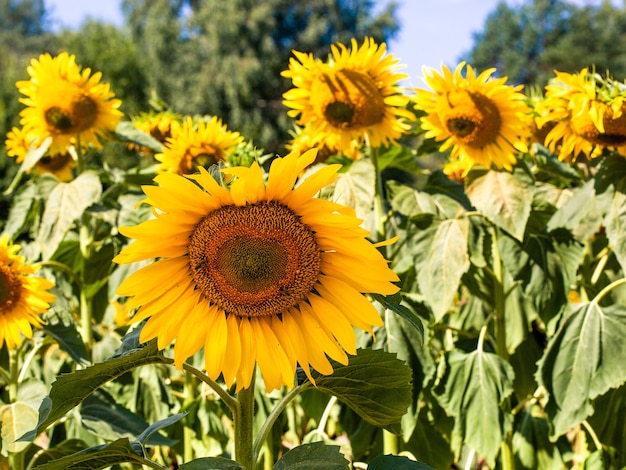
(67, 104)
(18, 143)
(586, 113)
(22, 296)
(256, 273)
(161, 125)
(478, 117)
(327, 145)
(353, 96)
(197, 144)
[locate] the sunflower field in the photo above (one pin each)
(428, 278)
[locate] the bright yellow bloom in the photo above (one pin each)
(586, 114)
(354, 96)
(60, 165)
(257, 273)
(23, 297)
(161, 125)
(477, 117)
(197, 144)
(326, 145)
(66, 103)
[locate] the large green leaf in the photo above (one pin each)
(105, 456)
(69, 390)
(314, 456)
(580, 214)
(532, 445)
(503, 198)
(447, 261)
(17, 419)
(127, 132)
(66, 203)
(473, 390)
(375, 384)
(609, 421)
(583, 360)
(615, 223)
(396, 462)
(355, 188)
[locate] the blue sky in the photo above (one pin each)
(433, 32)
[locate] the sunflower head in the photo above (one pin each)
(160, 125)
(352, 96)
(66, 103)
(18, 143)
(23, 296)
(197, 144)
(259, 272)
(586, 114)
(476, 116)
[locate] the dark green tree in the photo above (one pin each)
(225, 58)
(529, 41)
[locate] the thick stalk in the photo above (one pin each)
(188, 433)
(244, 427)
(506, 448)
(379, 196)
(274, 414)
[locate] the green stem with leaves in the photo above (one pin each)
(243, 417)
(379, 196)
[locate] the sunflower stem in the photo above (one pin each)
(379, 196)
(16, 459)
(228, 400)
(280, 406)
(190, 392)
(80, 163)
(243, 418)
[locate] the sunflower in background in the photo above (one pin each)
(256, 273)
(355, 96)
(69, 105)
(161, 125)
(327, 147)
(60, 165)
(476, 116)
(587, 115)
(197, 144)
(23, 297)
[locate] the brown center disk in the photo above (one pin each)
(254, 260)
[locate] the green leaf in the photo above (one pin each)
(17, 419)
(21, 204)
(396, 462)
(355, 188)
(127, 132)
(446, 263)
(375, 384)
(66, 203)
(393, 303)
(397, 156)
(146, 436)
(609, 421)
(93, 458)
(504, 198)
(580, 214)
(549, 163)
(216, 463)
(473, 391)
(532, 446)
(64, 448)
(69, 390)
(583, 360)
(615, 224)
(315, 456)
(68, 339)
(104, 417)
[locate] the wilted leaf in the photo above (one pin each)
(504, 198)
